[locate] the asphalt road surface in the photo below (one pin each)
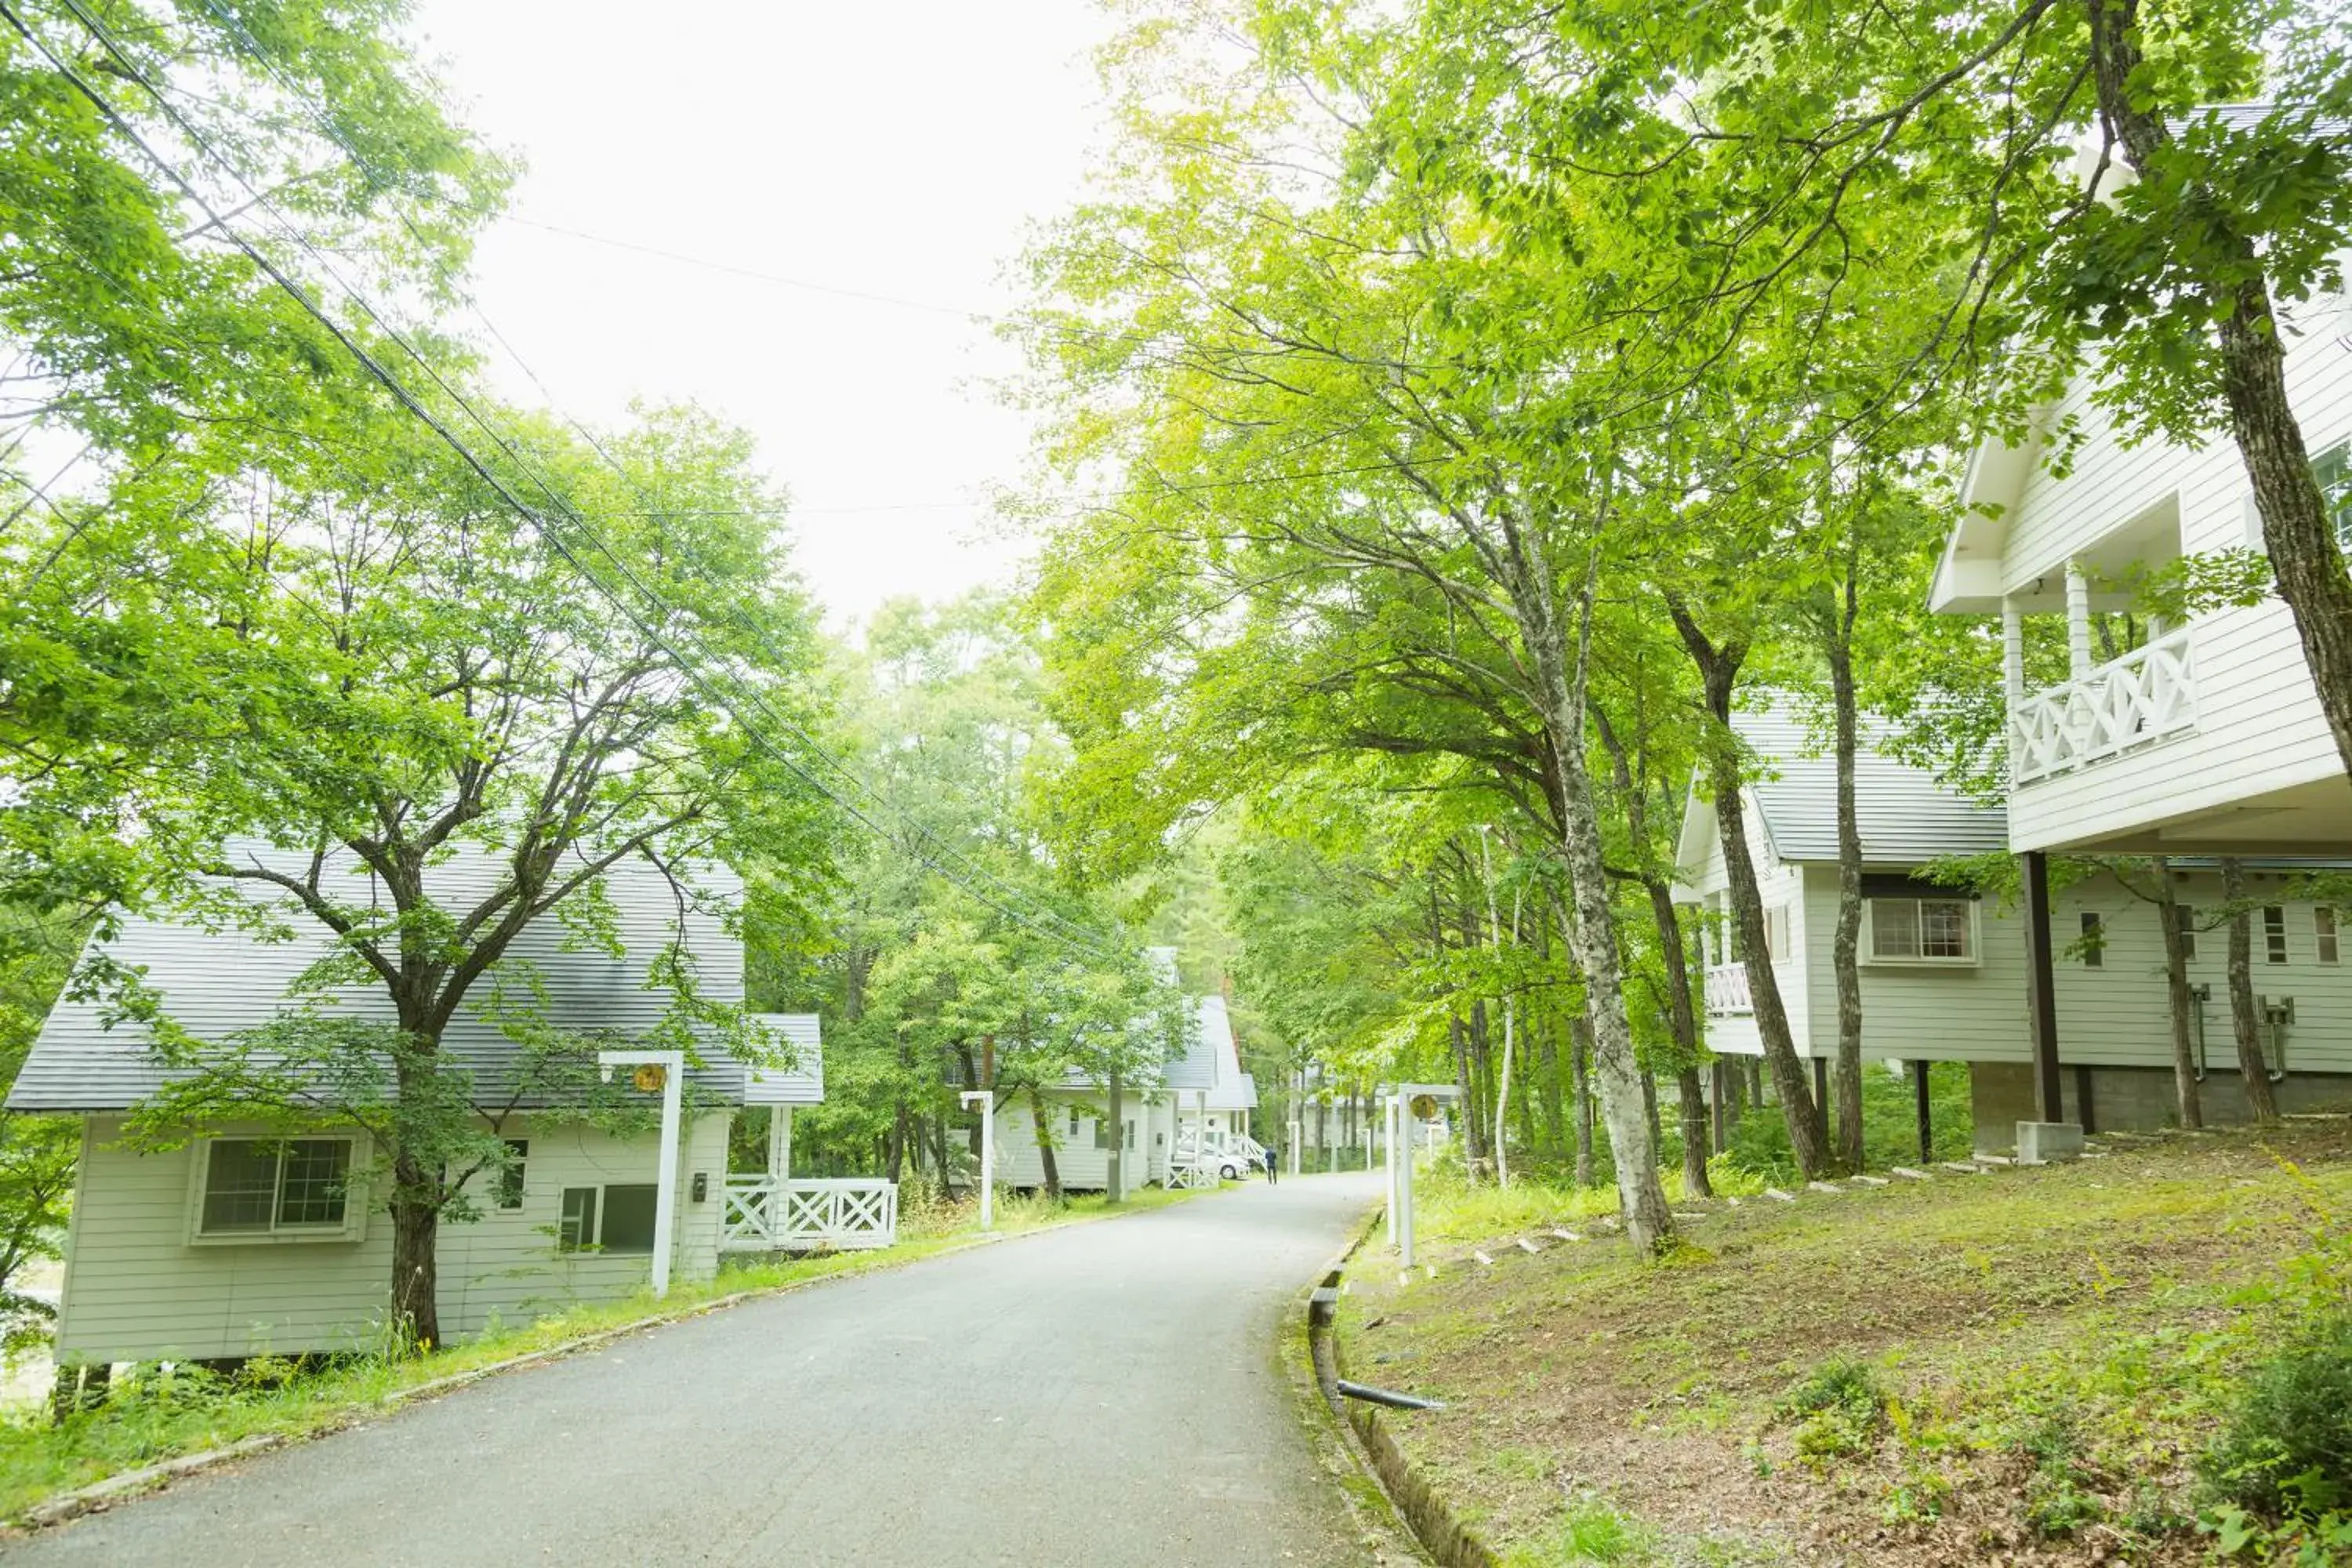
(1106, 1394)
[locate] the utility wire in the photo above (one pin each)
(408, 401)
(742, 623)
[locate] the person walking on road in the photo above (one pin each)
(1273, 1165)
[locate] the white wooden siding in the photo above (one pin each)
(136, 1289)
(2258, 725)
(2112, 1016)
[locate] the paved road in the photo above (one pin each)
(1103, 1395)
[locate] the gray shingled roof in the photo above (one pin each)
(1907, 817)
(214, 983)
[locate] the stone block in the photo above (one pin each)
(2046, 1143)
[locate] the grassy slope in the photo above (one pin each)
(2056, 1345)
(155, 1414)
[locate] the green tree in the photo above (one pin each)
(398, 670)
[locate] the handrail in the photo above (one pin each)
(2119, 705)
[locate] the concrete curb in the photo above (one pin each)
(1311, 1392)
(102, 1494)
(1443, 1538)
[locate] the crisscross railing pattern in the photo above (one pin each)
(2146, 695)
(1726, 989)
(839, 1213)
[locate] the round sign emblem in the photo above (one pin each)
(1424, 1106)
(650, 1078)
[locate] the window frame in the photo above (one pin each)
(2274, 944)
(1871, 957)
(510, 1185)
(350, 1226)
(2093, 929)
(2332, 472)
(2327, 933)
(599, 1202)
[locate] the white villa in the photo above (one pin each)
(1943, 971)
(2199, 739)
(239, 1244)
(1204, 1087)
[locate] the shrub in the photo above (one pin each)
(1837, 1407)
(2288, 1447)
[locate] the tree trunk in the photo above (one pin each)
(2298, 533)
(416, 1257)
(1718, 671)
(1045, 1130)
(1578, 1074)
(1593, 933)
(1845, 945)
(1683, 1014)
(2182, 998)
(2245, 1018)
(1548, 1077)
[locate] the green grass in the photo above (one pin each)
(2028, 1361)
(153, 1413)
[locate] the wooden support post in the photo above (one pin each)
(2041, 990)
(1718, 1081)
(1821, 1095)
(1926, 1112)
(2012, 654)
(2083, 1110)
(2078, 623)
(1114, 1168)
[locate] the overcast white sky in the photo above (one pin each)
(888, 150)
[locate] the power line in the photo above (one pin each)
(416, 407)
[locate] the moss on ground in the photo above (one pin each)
(2021, 1365)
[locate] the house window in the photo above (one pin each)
(509, 1182)
(273, 1186)
(1922, 931)
(2186, 915)
(607, 1219)
(2094, 940)
(2333, 470)
(576, 1227)
(2274, 933)
(1074, 1123)
(2323, 926)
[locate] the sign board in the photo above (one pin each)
(1424, 1107)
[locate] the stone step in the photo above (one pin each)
(1871, 1180)
(1777, 1195)
(1909, 1175)
(1834, 1192)
(1526, 1245)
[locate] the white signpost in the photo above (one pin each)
(670, 1068)
(1406, 1110)
(983, 1100)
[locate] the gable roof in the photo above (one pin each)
(216, 983)
(1907, 816)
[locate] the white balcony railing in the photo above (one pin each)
(2147, 694)
(1727, 990)
(841, 1215)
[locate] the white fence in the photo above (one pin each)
(841, 1215)
(2147, 694)
(1726, 989)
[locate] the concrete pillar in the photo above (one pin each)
(2078, 623)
